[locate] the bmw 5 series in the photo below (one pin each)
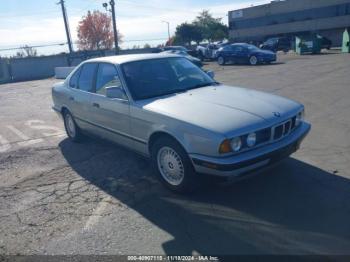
(166, 108)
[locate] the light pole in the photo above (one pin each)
(168, 28)
(112, 4)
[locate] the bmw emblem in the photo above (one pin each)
(277, 114)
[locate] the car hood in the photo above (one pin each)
(224, 109)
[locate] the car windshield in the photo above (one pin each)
(158, 77)
(252, 48)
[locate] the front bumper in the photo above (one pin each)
(267, 59)
(237, 165)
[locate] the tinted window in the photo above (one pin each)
(86, 79)
(107, 76)
(237, 48)
(157, 77)
(227, 48)
(73, 82)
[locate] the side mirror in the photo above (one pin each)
(116, 92)
(211, 74)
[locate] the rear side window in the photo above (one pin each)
(107, 76)
(86, 78)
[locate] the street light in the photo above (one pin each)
(168, 28)
(112, 4)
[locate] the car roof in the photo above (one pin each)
(122, 59)
(241, 44)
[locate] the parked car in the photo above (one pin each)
(326, 43)
(244, 53)
(193, 59)
(208, 51)
(166, 108)
(277, 44)
(176, 48)
(180, 49)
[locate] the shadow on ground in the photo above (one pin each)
(293, 208)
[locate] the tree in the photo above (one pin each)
(95, 31)
(188, 32)
(212, 28)
(147, 45)
(29, 51)
(26, 51)
(204, 27)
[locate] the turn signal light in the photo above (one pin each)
(225, 147)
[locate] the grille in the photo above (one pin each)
(283, 129)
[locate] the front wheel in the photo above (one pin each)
(221, 60)
(253, 60)
(173, 166)
(71, 127)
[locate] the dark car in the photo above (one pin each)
(244, 53)
(326, 43)
(193, 59)
(180, 49)
(208, 51)
(176, 48)
(277, 44)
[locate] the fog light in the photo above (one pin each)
(251, 140)
(236, 144)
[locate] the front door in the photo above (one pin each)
(110, 115)
(81, 92)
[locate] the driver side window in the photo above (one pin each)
(107, 76)
(73, 82)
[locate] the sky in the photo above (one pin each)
(40, 22)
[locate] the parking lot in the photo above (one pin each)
(57, 197)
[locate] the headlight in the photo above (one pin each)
(236, 144)
(251, 139)
(299, 118)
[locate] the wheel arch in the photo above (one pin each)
(157, 135)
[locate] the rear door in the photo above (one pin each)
(110, 115)
(239, 54)
(80, 96)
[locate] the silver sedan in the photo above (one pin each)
(166, 108)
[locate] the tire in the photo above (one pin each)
(221, 60)
(253, 60)
(72, 130)
(173, 166)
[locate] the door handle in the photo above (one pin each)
(96, 105)
(71, 98)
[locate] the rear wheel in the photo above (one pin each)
(221, 60)
(71, 127)
(173, 166)
(253, 60)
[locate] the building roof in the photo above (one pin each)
(121, 59)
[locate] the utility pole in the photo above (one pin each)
(66, 26)
(112, 3)
(168, 28)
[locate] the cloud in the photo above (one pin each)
(134, 20)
